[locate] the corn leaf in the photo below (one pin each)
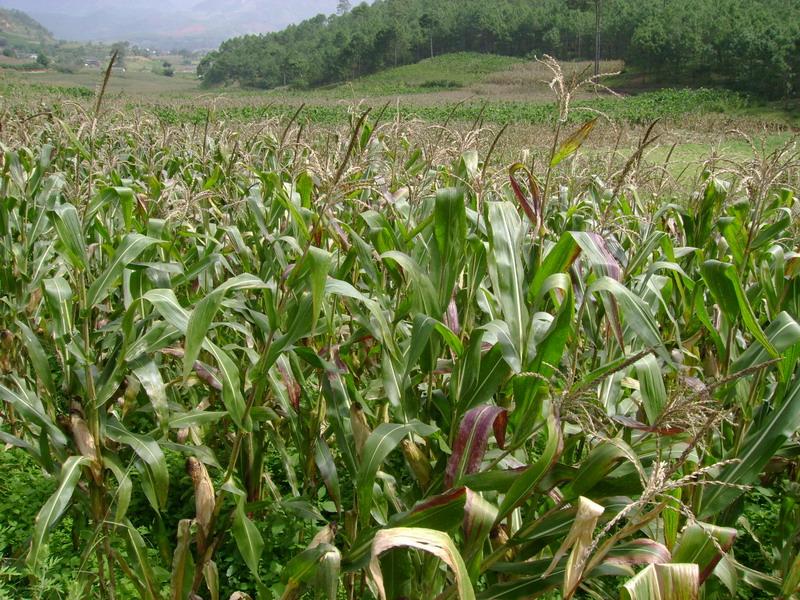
(129, 249)
(472, 439)
(664, 582)
(571, 145)
(248, 539)
(379, 444)
(434, 542)
(506, 271)
(704, 545)
(757, 449)
(54, 508)
(151, 454)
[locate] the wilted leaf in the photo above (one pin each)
(434, 542)
(664, 582)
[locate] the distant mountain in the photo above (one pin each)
(192, 24)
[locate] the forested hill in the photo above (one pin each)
(17, 25)
(750, 45)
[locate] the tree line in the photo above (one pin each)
(750, 45)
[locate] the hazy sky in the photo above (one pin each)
(167, 23)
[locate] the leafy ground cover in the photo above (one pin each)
(374, 359)
(644, 108)
(449, 71)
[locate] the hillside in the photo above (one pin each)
(17, 27)
(747, 46)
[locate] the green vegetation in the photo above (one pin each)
(749, 45)
(351, 355)
(644, 108)
(28, 47)
(450, 71)
(18, 30)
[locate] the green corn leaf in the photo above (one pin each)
(137, 550)
(783, 333)
(450, 234)
(328, 571)
(327, 470)
(443, 512)
(194, 418)
(248, 539)
(557, 260)
(124, 485)
(38, 358)
(346, 290)
(704, 545)
(757, 449)
(129, 249)
(379, 444)
(651, 388)
(313, 268)
(506, 270)
(58, 297)
(727, 290)
(55, 506)
(320, 564)
(31, 408)
(149, 451)
(523, 588)
(642, 551)
(636, 314)
(204, 313)
(149, 376)
(465, 376)
(526, 483)
(166, 303)
(601, 461)
(68, 226)
(546, 361)
(421, 285)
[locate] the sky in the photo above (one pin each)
(167, 24)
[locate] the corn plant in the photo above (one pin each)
(466, 383)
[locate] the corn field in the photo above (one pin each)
(376, 361)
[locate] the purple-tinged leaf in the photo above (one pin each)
(479, 518)
(292, 387)
(597, 253)
(446, 511)
(443, 512)
(473, 437)
(531, 206)
(451, 317)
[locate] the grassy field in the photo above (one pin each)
(488, 350)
